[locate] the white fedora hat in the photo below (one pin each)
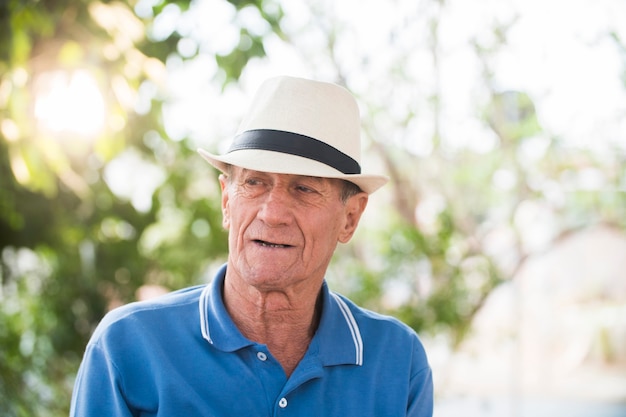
(301, 127)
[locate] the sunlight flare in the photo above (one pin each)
(69, 103)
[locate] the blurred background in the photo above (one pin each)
(501, 238)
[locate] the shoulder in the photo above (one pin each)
(383, 329)
(389, 341)
(154, 311)
(371, 321)
(371, 317)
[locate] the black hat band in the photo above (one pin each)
(296, 144)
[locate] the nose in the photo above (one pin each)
(276, 209)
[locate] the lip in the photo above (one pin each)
(270, 244)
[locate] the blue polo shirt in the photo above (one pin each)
(182, 355)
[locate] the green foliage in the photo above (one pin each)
(511, 114)
(71, 248)
(233, 63)
(35, 367)
(428, 280)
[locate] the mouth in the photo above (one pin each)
(267, 244)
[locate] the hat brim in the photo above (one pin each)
(281, 163)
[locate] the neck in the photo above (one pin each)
(284, 321)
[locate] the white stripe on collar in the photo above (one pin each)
(345, 310)
(204, 320)
(354, 328)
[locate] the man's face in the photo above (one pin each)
(283, 229)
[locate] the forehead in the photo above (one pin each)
(244, 172)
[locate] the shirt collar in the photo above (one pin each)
(337, 340)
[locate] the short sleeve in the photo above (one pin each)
(98, 390)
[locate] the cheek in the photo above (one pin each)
(236, 221)
(326, 230)
(230, 217)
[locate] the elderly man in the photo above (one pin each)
(267, 337)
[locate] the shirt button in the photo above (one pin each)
(261, 356)
(282, 403)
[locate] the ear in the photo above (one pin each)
(354, 208)
(225, 210)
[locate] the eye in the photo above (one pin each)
(305, 189)
(252, 186)
(253, 182)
